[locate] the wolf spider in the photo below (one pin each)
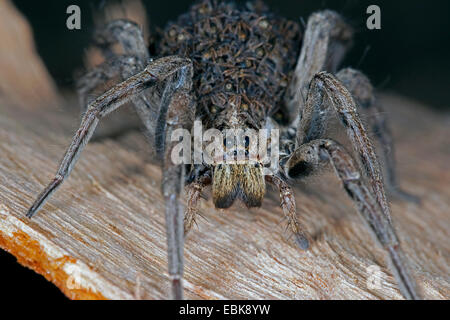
(235, 68)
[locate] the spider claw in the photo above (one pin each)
(177, 289)
(405, 279)
(35, 207)
(43, 197)
(302, 241)
(30, 213)
(202, 216)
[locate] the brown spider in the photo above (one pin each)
(237, 67)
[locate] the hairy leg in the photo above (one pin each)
(325, 92)
(317, 152)
(160, 70)
(289, 209)
(147, 104)
(133, 58)
(129, 37)
(363, 93)
(163, 108)
(125, 33)
(177, 111)
(119, 67)
(193, 193)
(327, 38)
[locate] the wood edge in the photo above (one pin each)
(32, 254)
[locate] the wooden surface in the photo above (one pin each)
(102, 234)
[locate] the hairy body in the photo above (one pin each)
(243, 59)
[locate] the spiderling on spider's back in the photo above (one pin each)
(245, 55)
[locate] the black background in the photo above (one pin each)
(408, 55)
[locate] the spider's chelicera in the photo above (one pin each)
(244, 68)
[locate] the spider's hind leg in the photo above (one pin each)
(129, 36)
(132, 58)
(119, 67)
(125, 33)
(363, 92)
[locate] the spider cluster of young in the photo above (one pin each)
(239, 67)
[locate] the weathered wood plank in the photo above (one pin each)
(102, 234)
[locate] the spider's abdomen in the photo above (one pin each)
(243, 58)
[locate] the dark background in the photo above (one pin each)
(408, 55)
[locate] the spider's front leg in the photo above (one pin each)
(176, 111)
(325, 91)
(290, 212)
(193, 194)
(363, 93)
(119, 67)
(317, 152)
(133, 59)
(327, 38)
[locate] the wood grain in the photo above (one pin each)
(102, 234)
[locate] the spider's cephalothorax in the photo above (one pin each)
(236, 68)
(243, 58)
